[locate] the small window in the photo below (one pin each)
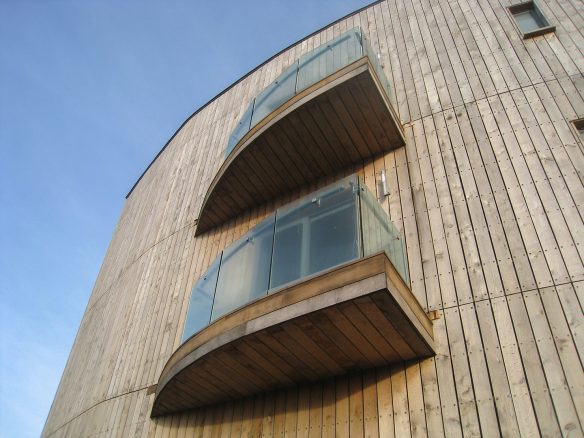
(529, 19)
(579, 125)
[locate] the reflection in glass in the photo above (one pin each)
(201, 301)
(275, 94)
(337, 224)
(310, 68)
(328, 58)
(287, 259)
(245, 270)
(529, 20)
(242, 128)
(375, 62)
(379, 234)
(316, 233)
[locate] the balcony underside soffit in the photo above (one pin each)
(344, 119)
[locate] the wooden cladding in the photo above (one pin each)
(357, 316)
(488, 193)
(341, 120)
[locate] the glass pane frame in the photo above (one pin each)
(304, 214)
(578, 127)
(530, 20)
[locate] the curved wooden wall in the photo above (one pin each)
(488, 192)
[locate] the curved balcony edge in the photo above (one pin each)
(343, 119)
(355, 316)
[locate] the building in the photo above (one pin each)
(456, 123)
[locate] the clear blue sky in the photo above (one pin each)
(89, 93)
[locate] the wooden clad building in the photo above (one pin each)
(469, 110)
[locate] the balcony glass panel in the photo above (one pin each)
(242, 128)
(328, 58)
(310, 68)
(245, 270)
(379, 234)
(275, 94)
(315, 234)
(332, 226)
(374, 58)
(199, 313)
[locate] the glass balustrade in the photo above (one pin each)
(309, 69)
(379, 234)
(275, 94)
(242, 128)
(245, 269)
(328, 58)
(332, 226)
(374, 58)
(201, 302)
(316, 233)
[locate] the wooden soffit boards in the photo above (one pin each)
(342, 120)
(356, 316)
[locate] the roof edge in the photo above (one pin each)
(217, 96)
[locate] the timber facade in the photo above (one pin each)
(402, 193)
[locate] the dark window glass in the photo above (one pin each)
(528, 21)
(288, 262)
(333, 237)
(379, 234)
(328, 58)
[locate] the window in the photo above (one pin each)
(530, 20)
(579, 125)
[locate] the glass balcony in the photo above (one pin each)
(330, 227)
(309, 69)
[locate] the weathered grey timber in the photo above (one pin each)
(488, 192)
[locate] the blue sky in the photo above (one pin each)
(89, 93)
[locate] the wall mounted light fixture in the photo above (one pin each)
(381, 184)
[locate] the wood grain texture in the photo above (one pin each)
(488, 192)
